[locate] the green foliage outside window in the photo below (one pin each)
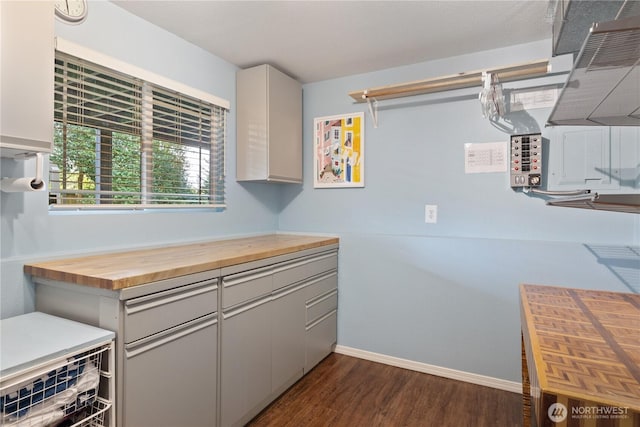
(85, 154)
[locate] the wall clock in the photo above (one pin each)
(71, 10)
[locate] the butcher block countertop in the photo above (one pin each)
(121, 270)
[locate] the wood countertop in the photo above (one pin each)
(583, 348)
(120, 270)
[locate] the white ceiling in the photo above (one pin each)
(319, 40)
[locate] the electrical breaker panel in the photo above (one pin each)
(526, 160)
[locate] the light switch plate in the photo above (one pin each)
(430, 214)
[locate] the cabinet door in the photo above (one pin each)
(285, 127)
(251, 124)
(27, 53)
(628, 173)
(269, 126)
(246, 361)
(288, 337)
(170, 377)
(583, 157)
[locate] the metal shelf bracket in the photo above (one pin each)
(373, 108)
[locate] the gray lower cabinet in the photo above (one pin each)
(166, 345)
(170, 357)
(265, 343)
(211, 348)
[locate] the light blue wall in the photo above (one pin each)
(29, 232)
(444, 294)
(447, 293)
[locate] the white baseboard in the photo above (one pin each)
(453, 374)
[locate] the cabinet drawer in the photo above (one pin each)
(149, 314)
(242, 287)
(322, 305)
(303, 268)
(321, 285)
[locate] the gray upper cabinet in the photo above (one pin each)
(27, 53)
(269, 126)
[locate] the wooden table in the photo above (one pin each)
(580, 357)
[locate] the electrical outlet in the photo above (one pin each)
(430, 214)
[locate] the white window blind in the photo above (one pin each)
(123, 142)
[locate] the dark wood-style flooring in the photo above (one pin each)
(347, 391)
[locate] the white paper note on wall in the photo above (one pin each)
(527, 99)
(485, 157)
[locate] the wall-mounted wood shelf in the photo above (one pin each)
(456, 81)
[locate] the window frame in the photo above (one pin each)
(163, 83)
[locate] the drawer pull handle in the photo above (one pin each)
(282, 292)
(301, 262)
(152, 301)
(245, 307)
(322, 297)
(165, 337)
(321, 319)
(240, 278)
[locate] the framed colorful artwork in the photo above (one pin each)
(338, 147)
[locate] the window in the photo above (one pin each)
(124, 142)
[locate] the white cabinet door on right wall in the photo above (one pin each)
(583, 158)
(628, 174)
